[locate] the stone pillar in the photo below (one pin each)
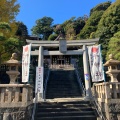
(86, 72)
(40, 64)
(6, 116)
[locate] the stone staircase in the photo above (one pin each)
(65, 110)
(62, 84)
(64, 100)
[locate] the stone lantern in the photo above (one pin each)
(113, 68)
(13, 65)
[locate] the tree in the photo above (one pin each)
(114, 46)
(3, 27)
(21, 33)
(70, 34)
(8, 11)
(7, 45)
(100, 7)
(108, 25)
(22, 29)
(73, 26)
(67, 24)
(58, 29)
(52, 37)
(92, 23)
(79, 23)
(43, 27)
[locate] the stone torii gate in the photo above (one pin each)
(63, 45)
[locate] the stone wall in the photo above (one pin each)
(111, 111)
(108, 97)
(16, 101)
(15, 113)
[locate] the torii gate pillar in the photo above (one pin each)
(40, 59)
(86, 72)
(40, 64)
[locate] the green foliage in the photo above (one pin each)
(43, 27)
(8, 45)
(114, 46)
(22, 29)
(11, 42)
(2, 38)
(108, 25)
(4, 26)
(100, 7)
(73, 26)
(8, 10)
(92, 23)
(14, 45)
(58, 29)
(52, 37)
(70, 34)
(92, 35)
(79, 23)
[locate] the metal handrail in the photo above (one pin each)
(80, 82)
(36, 95)
(35, 104)
(45, 85)
(96, 104)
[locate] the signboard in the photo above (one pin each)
(26, 63)
(62, 46)
(39, 80)
(96, 65)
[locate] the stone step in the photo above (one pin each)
(58, 109)
(64, 85)
(65, 109)
(62, 101)
(65, 92)
(63, 88)
(64, 113)
(63, 105)
(62, 96)
(90, 117)
(60, 87)
(51, 96)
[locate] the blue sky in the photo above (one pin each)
(59, 10)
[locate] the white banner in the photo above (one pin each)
(26, 63)
(39, 80)
(96, 65)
